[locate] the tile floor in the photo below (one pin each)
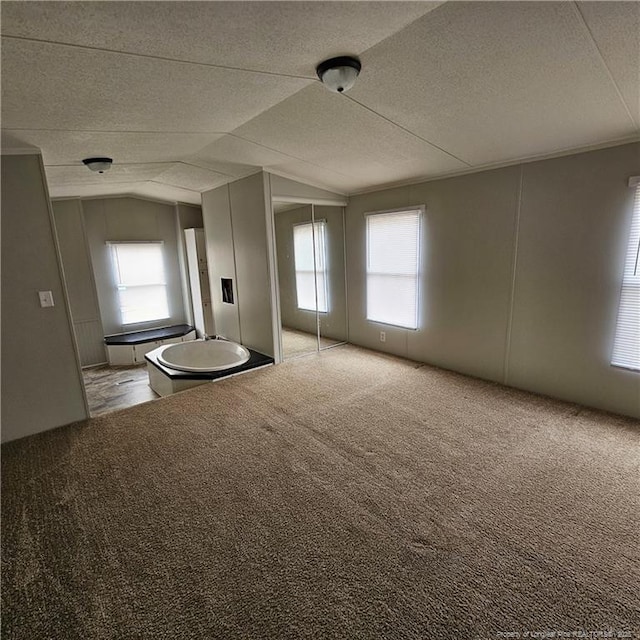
(113, 388)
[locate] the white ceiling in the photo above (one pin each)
(186, 96)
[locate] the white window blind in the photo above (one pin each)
(138, 269)
(626, 348)
(393, 258)
(304, 256)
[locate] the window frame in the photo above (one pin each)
(115, 274)
(421, 210)
(630, 281)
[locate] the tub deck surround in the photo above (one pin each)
(165, 381)
(149, 335)
(126, 349)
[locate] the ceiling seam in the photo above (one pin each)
(168, 162)
(199, 166)
(221, 173)
(154, 57)
(126, 194)
(594, 43)
(415, 135)
(121, 164)
(94, 184)
(406, 26)
(264, 146)
(205, 64)
(316, 184)
(200, 133)
(212, 171)
(360, 54)
(174, 186)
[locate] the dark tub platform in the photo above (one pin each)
(149, 335)
(165, 381)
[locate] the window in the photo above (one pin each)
(138, 269)
(393, 258)
(626, 348)
(304, 255)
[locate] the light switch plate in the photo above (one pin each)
(46, 298)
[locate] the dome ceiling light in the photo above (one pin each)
(339, 74)
(98, 164)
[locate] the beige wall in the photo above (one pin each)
(116, 219)
(522, 269)
(574, 224)
(248, 215)
(78, 276)
(234, 218)
(132, 219)
(334, 323)
(216, 216)
(41, 380)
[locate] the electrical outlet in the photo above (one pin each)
(46, 298)
(383, 336)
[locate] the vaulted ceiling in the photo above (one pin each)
(186, 96)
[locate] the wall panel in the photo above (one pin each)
(83, 299)
(522, 268)
(132, 219)
(576, 212)
(216, 216)
(41, 381)
(248, 215)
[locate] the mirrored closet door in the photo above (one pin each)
(330, 276)
(311, 277)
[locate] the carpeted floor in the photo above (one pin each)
(299, 343)
(345, 495)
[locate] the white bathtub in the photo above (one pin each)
(203, 356)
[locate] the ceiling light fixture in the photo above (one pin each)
(339, 74)
(98, 164)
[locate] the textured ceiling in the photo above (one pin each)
(186, 96)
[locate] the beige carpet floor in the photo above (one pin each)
(344, 495)
(297, 343)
